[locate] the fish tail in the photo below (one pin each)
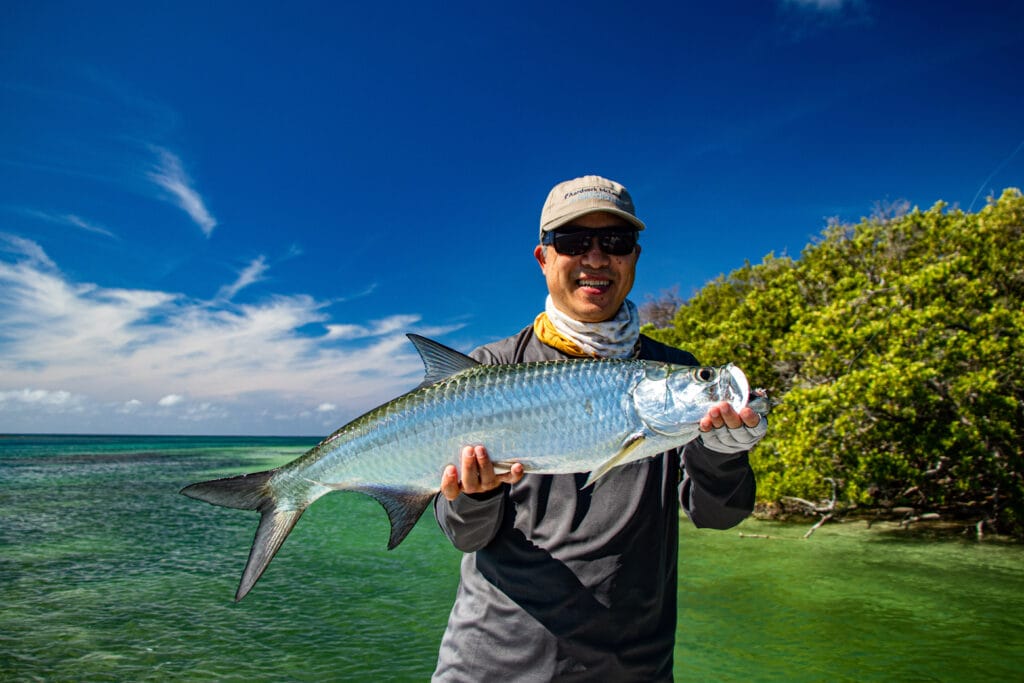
(251, 492)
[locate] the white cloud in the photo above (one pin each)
(251, 274)
(112, 355)
(130, 406)
(376, 328)
(68, 219)
(169, 174)
(23, 247)
(37, 397)
(72, 219)
(205, 412)
(20, 407)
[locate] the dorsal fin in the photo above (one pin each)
(439, 361)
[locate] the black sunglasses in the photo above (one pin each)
(576, 241)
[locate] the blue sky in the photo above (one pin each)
(222, 218)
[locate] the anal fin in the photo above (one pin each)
(404, 508)
(631, 443)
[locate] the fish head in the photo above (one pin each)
(671, 399)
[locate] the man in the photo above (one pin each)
(561, 582)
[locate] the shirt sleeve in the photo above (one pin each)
(471, 521)
(718, 490)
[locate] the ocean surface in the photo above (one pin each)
(108, 574)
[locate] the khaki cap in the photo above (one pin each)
(574, 198)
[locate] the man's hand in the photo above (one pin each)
(477, 474)
(723, 415)
(726, 431)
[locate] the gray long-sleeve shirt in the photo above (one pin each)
(560, 583)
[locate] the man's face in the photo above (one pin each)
(592, 286)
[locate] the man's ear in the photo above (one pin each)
(538, 253)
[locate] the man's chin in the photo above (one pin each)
(593, 312)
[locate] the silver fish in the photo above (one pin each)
(553, 417)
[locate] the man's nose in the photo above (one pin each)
(594, 254)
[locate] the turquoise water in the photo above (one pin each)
(107, 574)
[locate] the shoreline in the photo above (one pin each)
(923, 527)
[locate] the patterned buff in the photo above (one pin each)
(615, 338)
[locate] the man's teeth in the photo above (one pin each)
(595, 283)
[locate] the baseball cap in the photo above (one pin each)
(571, 199)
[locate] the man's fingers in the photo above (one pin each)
(723, 415)
(485, 469)
(477, 470)
(750, 417)
(470, 470)
(712, 420)
(730, 418)
(477, 474)
(514, 474)
(450, 483)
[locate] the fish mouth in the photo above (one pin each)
(735, 387)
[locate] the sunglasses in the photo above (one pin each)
(577, 241)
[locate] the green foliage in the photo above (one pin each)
(894, 348)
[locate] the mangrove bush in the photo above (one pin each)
(892, 350)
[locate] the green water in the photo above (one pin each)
(848, 604)
(107, 574)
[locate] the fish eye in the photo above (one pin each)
(705, 374)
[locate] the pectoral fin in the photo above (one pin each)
(631, 443)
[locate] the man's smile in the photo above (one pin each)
(592, 282)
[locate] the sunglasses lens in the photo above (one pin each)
(578, 242)
(573, 243)
(618, 244)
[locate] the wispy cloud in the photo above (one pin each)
(33, 254)
(88, 226)
(376, 328)
(819, 5)
(150, 360)
(1000, 167)
(68, 219)
(169, 174)
(112, 135)
(800, 19)
(251, 274)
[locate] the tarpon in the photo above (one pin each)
(552, 417)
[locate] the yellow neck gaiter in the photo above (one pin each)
(547, 333)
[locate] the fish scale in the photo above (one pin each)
(408, 441)
(552, 417)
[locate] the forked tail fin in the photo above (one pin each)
(251, 492)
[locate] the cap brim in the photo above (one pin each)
(570, 217)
